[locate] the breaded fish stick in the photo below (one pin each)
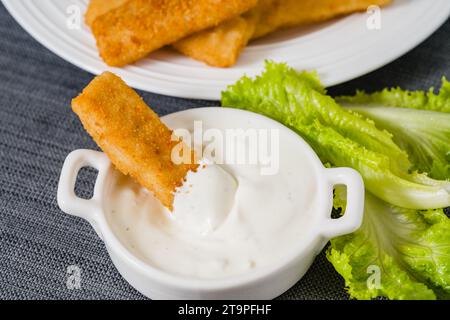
(219, 46)
(291, 13)
(132, 135)
(138, 27)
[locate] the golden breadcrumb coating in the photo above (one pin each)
(132, 135)
(131, 31)
(219, 46)
(222, 45)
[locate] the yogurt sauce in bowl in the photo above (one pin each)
(229, 219)
(235, 233)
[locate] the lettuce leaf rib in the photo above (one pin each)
(424, 134)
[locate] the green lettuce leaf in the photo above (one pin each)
(425, 135)
(299, 101)
(397, 253)
(405, 99)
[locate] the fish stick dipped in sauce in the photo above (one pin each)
(132, 135)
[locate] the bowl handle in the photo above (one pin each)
(68, 201)
(353, 215)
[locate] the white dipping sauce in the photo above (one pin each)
(228, 219)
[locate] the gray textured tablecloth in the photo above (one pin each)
(37, 130)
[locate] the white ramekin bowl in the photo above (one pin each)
(264, 283)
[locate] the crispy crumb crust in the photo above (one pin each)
(132, 135)
(96, 8)
(131, 31)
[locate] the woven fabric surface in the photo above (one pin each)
(38, 242)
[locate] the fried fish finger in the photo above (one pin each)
(219, 46)
(291, 13)
(138, 27)
(132, 135)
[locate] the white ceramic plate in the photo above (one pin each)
(339, 50)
